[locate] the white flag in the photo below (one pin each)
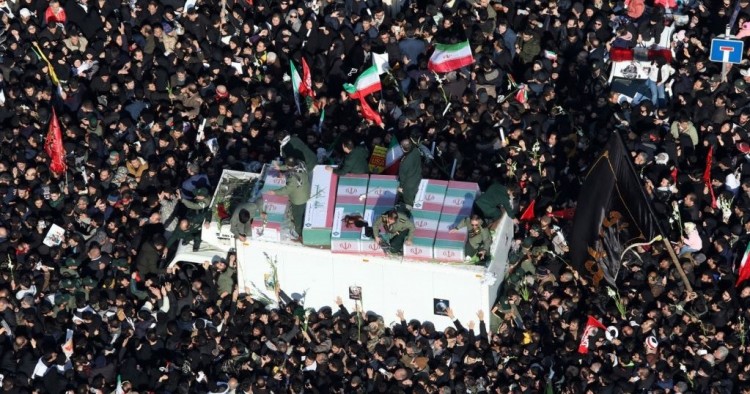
(380, 61)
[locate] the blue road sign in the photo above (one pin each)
(726, 50)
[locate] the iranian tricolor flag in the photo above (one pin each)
(367, 83)
(449, 57)
(393, 157)
(744, 272)
(296, 82)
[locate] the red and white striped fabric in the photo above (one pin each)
(636, 63)
(639, 54)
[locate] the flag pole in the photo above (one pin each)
(677, 263)
(664, 239)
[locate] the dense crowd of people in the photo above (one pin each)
(155, 98)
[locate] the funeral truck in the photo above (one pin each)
(338, 260)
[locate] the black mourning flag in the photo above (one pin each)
(612, 213)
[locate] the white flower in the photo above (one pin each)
(611, 292)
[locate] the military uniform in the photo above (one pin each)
(86, 285)
(477, 240)
(225, 281)
(409, 175)
(489, 204)
(62, 303)
(238, 228)
(70, 269)
(297, 149)
(185, 236)
(298, 190)
(355, 162)
(198, 212)
(121, 264)
(397, 233)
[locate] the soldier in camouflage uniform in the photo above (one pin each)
(294, 148)
(298, 190)
(241, 222)
(479, 241)
(70, 269)
(399, 229)
(409, 173)
(189, 228)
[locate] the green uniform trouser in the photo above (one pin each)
(396, 241)
(298, 217)
(472, 251)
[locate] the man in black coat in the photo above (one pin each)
(81, 14)
(149, 256)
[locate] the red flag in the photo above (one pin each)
(674, 175)
(709, 160)
(368, 113)
(305, 88)
(566, 213)
(53, 145)
(592, 323)
(528, 214)
(707, 175)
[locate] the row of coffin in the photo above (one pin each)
(438, 207)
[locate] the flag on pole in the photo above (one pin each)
(566, 213)
(393, 157)
(321, 120)
(449, 57)
(522, 96)
(296, 82)
(528, 214)
(119, 389)
(367, 83)
(744, 271)
(53, 145)
(381, 62)
(612, 213)
(591, 324)
(707, 176)
(305, 87)
(550, 55)
(511, 82)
